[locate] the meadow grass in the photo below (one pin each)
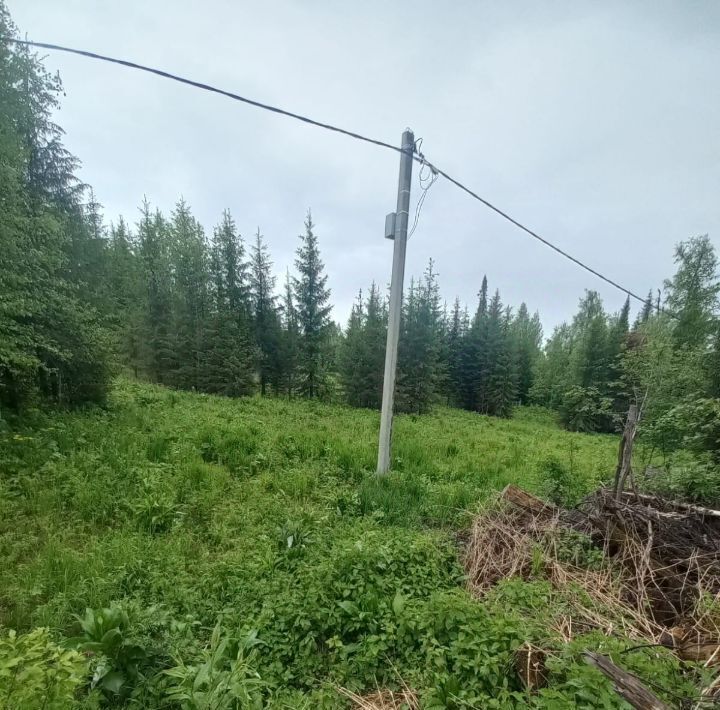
(265, 514)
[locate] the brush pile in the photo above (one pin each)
(652, 577)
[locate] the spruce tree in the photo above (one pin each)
(647, 308)
(553, 376)
(352, 355)
(363, 352)
(312, 297)
(231, 270)
(455, 344)
(190, 303)
(88, 257)
(154, 250)
(375, 337)
(526, 335)
(229, 355)
(127, 303)
(266, 320)
(590, 351)
(477, 356)
(498, 392)
(419, 366)
(290, 340)
(502, 389)
(52, 341)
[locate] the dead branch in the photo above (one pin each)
(627, 685)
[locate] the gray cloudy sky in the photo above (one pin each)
(598, 124)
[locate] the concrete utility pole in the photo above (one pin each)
(396, 226)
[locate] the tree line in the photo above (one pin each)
(203, 313)
(195, 311)
(177, 306)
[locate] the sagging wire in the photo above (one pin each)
(426, 182)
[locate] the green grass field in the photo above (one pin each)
(262, 519)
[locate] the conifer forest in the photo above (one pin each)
(189, 511)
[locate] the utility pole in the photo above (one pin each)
(396, 226)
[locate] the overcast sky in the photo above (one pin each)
(597, 124)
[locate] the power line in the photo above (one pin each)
(204, 87)
(535, 235)
(351, 134)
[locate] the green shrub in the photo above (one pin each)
(36, 673)
(558, 483)
(340, 613)
(693, 424)
(697, 481)
(464, 654)
(586, 409)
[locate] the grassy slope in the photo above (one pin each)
(180, 507)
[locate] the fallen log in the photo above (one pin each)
(626, 684)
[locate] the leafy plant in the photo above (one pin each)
(559, 484)
(292, 539)
(574, 548)
(116, 661)
(155, 511)
(224, 678)
(696, 424)
(38, 674)
(464, 650)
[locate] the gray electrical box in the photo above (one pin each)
(390, 226)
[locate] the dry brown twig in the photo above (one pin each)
(404, 699)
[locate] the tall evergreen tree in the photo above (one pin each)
(645, 312)
(499, 379)
(552, 377)
(312, 297)
(456, 334)
(526, 335)
(419, 366)
(266, 319)
(228, 353)
(351, 355)
(375, 337)
(290, 339)
(590, 351)
(363, 351)
(127, 303)
(477, 355)
(231, 270)
(190, 303)
(154, 251)
(52, 342)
